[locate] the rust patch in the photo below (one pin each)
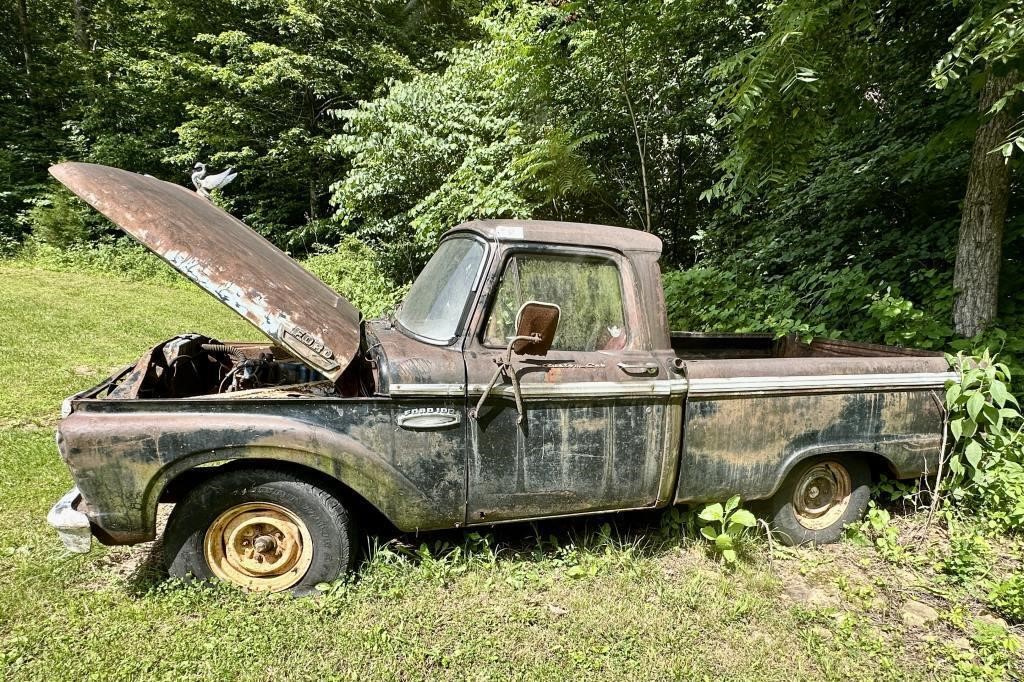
(227, 259)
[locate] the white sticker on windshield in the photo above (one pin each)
(509, 232)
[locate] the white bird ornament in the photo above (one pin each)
(204, 183)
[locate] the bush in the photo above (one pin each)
(840, 304)
(121, 258)
(714, 300)
(59, 219)
(810, 302)
(353, 271)
(1007, 599)
(986, 462)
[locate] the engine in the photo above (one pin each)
(192, 365)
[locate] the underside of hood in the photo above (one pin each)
(226, 258)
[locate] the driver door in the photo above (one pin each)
(593, 436)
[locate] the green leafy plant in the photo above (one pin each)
(59, 219)
(992, 654)
(899, 322)
(890, 491)
(1007, 598)
(985, 472)
(120, 257)
(726, 525)
(877, 529)
(967, 559)
(352, 269)
(989, 35)
(675, 522)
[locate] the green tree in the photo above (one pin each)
(824, 67)
(594, 111)
(987, 49)
(155, 85)
(39, 87)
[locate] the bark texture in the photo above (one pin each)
(81, 25)
(26, 36)
(980, 247)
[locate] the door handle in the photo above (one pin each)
(639, 368)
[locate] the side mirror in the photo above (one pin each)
(536, 323)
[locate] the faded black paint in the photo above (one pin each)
(123, 453)
(569, 457)
(747, 445)
(573, 454)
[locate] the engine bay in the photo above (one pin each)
(193, 365)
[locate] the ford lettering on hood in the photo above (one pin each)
(226, 258)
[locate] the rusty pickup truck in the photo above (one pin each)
(529, 373)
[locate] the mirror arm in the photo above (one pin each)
(517, 392)
(506, 369)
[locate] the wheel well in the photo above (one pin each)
(877, 463)
(368, 517)
(879, 466)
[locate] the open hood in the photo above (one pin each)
(228, 259)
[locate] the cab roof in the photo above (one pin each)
(554, 232)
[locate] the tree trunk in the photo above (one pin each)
(26, 36)
(81, 25)
(314, 204)
(979, 251)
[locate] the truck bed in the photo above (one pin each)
(756, 405)
(723, 346)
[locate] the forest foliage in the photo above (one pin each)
(804, 161)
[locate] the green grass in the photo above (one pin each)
(63, 332)
(625, 603)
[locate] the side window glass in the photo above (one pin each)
(587, 290)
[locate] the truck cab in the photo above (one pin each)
(602, 406)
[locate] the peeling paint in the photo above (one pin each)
(227, 259)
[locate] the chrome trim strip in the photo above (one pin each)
(697, 388)
(427, 390)
(577, 389)
(590, 389)
(819, 384)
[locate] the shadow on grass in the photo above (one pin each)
(150, 571)
(644, 534)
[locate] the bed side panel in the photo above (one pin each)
(747, 444)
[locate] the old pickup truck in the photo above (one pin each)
(529, 373)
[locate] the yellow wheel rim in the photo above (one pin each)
(822, 495)
(259, 546)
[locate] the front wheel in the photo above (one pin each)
(819, 498)
(262, 530)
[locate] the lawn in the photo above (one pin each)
(610, 598)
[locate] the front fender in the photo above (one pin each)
(123, 461)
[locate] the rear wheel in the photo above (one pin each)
(819, 498)
(262, 530)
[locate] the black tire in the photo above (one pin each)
(794, 528)
(329, 525)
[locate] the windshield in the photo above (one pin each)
(435, 304)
